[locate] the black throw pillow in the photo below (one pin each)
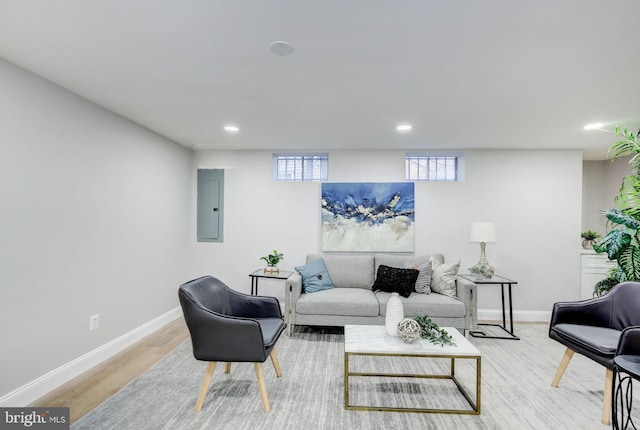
(395, 280)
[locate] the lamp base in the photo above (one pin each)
(483, 268)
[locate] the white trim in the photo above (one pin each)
(37, 388)
(518, 316)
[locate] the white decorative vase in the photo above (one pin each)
(395, 314)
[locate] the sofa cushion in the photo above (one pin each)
(348, 271)
(443, 278)
(423, 282)
(339, 301)
(401, 260)
(409, 261)
(395, 280)
(436, 305)
(315, 276)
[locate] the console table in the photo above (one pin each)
(260, 273)
(502, 281)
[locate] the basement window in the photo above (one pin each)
(300, 167)
(434, 167)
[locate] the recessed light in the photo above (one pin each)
(231, 129)
(404, 127)
(281, 48)
(594, 126)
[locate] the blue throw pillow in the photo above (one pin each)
(315, 276)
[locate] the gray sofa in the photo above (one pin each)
(352, 301)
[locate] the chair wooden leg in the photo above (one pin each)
(606, 403)
(205, 385)
(263, 387)
(276, 364)
(227, 368)
(563, 366)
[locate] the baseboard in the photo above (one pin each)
(518, 316)
(37, 388)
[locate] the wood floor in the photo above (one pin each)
(87, 391)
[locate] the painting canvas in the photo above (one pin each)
(368, 217)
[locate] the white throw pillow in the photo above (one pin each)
(443, 277)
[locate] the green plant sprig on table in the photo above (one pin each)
(431, 332)
(273, 259)
(482, 269)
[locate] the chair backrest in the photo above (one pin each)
(207, 292)
(629, 343)
(216, 334)
(625, 305)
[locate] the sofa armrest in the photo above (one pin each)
(292, 292)
(467, 293)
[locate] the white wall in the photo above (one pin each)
(601, 183)
(534, 197)
(95, 219)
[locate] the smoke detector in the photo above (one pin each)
(281, 48)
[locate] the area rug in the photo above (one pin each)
(516, 390)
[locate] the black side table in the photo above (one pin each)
(629, 366)
(502, 281)
(260, 273)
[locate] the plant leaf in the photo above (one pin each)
(619, 217)
(628, 198)
(613, 243)
(629, 261)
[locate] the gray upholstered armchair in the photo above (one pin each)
(228, 326)
(592, 328)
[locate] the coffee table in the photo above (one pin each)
(372, 340)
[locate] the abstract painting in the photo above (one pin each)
(368, 217)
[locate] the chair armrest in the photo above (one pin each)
(629, 342)
(246, 306)
(467, 294)
(592, 312)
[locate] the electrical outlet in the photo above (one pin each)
(94, 322)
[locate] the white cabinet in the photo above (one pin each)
(594, 268)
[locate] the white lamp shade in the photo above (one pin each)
(482, 232)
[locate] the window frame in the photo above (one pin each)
(426, 157)
(304, 158)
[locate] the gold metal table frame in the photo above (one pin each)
(475, 406)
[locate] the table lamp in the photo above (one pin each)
(483, 233)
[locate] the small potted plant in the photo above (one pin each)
(272, 261)
(589, 237)
(482, 271)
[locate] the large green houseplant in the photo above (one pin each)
(622, 243)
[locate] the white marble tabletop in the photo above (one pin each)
(373, 339)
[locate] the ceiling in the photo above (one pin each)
(465, 74)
